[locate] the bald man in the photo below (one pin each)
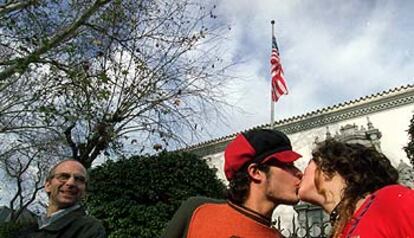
(65, 186)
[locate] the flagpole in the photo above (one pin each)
(272, 103)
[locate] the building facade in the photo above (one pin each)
(380, 120)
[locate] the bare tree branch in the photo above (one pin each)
(55, 40)
(13, 6)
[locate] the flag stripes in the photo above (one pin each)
(279, 86)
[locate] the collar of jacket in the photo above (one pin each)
(251, 214)
(65, 220)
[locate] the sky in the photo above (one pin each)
(331, 52)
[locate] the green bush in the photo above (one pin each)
(137, 197)
(409, 149)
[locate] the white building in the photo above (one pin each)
(382, 118)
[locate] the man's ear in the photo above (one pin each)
(47, 186)
(254, 173)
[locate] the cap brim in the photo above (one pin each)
(286, 156)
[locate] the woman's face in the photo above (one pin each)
(308, 191)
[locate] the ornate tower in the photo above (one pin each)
(406, 173)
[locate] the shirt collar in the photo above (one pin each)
(45, 221)
(251, 214)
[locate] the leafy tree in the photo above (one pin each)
(409, 149)
(136, 197)
(110, 72)
(84, 78)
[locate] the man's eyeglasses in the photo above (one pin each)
(64, 177)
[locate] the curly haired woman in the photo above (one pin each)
(358, 187)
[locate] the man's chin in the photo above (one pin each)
(292, 202)
(67, 201)
(65, 204)
(289, 202)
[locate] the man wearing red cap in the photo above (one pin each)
(259, 168)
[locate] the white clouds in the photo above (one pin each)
(331, 51)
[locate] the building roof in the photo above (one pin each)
(366, 105)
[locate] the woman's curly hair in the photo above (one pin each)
(364, 170)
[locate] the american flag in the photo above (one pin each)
(279, 86)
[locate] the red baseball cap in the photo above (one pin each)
(257, 146)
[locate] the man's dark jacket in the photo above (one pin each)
(74, 224)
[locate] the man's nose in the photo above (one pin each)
(299, 174)
(71, 181)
